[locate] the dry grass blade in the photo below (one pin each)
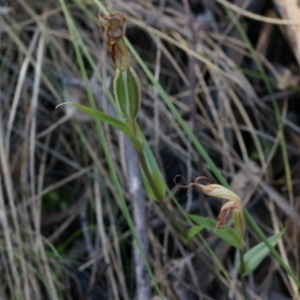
(287, 21)
(63, 231)
(105, 244)
(291, 11)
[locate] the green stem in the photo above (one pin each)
(147, 172)
(133, 125)
(242, 268)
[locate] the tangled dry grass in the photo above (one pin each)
(63, 232)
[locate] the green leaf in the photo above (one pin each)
(227, 233)
(255, 256)
(193, 231)
(127, 90)
(156, 175)
(107, 119)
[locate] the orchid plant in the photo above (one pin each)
(127, 92)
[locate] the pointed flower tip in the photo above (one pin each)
(218, 191)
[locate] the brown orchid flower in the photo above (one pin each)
(115, 25)
(234, 204)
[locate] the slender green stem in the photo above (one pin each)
(133, 125)
(147, 172)
(242, 268)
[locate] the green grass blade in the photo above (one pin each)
(107, 119)
(255, 256)
(194, 230)
(270, 247)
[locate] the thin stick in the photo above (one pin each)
(139, 215)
